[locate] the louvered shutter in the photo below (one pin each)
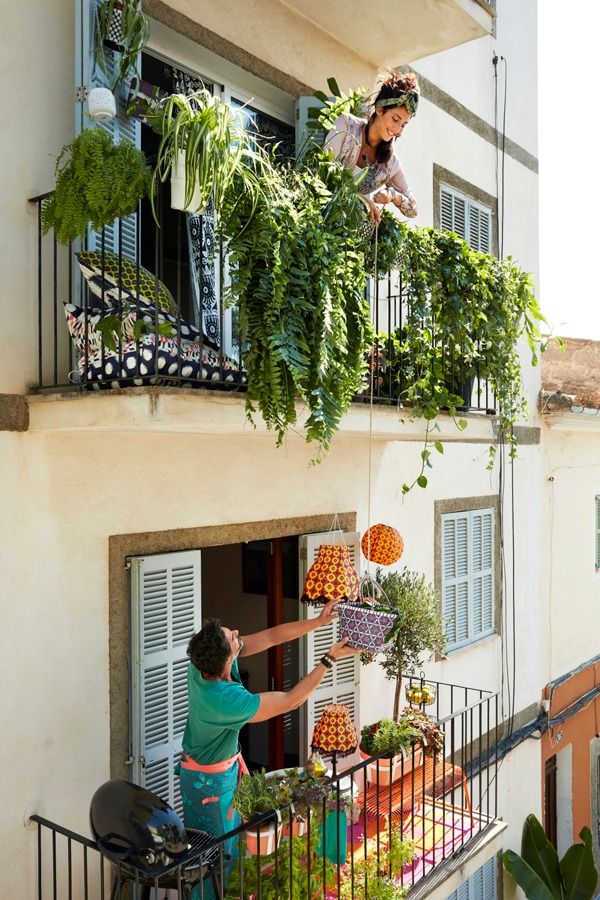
(466, 218)
(598, 532)
(467, 575)
(341, 684)
(87, 77)
(480, 886)
(165, 612)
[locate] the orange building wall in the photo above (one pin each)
(579, 730)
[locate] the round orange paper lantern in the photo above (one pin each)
(382, 544)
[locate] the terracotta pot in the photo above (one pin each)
(391, 770)
(299, 826)
(263, 841)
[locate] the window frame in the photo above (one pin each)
(465, 890)
(597, 530)
(472, 194)
(466, 505)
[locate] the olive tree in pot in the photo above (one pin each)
(418, 630)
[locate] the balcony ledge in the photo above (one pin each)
(186, 410)
(398, 31)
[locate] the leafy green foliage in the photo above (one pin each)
(97, 181)
(387, 736)
(298, 278)
(374, 875)
(255, 794)
(426, 727)
(291, 877)
(211, 137)
(135, 31)
(418, 629)
(540, 873)
(467, 312)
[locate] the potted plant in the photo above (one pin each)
(394, 739)
(121, 27)
(418, 629)
(204, 145)
(375, 874)
(284, 787)
(97, 182)
(255, 795)
(294, 875)
(430, 735)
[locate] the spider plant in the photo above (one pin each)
(207, 138)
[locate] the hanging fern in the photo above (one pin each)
(97, 182)
(298, 278)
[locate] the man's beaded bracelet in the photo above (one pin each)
(327, 661)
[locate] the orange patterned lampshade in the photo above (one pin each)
(335, 731)
(332, 576)
(382, 544)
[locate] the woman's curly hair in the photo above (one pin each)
(390, 85)
(209, 650)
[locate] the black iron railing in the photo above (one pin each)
(436, 804)
(158, 294)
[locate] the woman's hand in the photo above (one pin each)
(328, 614)
(372, 209)
(407, 205)
(341, 649)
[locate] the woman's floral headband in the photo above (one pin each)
(410, 100)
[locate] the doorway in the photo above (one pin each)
(252, 586)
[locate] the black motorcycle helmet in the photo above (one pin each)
(132, 825)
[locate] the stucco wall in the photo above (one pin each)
(75, 490)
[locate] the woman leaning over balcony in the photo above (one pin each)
(366, 145)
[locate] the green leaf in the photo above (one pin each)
(540, 854)
(422, 481)
(578, 870)
(528, 880)
(439, 446)
(405, 488)
(462, 424)
(333, 87)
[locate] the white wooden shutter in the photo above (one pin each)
(466, 218)
(165, 612)
(467, 575)
(87, 77)
(480, 886)
(341, 684)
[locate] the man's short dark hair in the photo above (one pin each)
(209, 649)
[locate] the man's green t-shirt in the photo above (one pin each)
(216, 713)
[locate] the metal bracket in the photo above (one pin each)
(81, 93)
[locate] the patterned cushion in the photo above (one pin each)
(143, 362)
(78, 325)
(114, 280)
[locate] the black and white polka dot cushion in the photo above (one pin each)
(170, 360)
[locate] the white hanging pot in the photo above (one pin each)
(101, 104)
(178, 188)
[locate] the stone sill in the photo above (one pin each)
(177, 410)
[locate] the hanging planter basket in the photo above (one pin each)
(114, 39)
(179, 188)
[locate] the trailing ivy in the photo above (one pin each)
(466, 313)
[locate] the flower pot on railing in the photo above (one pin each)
(294, 825)
(179, 188)
(387, 770)
(263, 839)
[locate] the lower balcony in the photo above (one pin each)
(406, 827)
